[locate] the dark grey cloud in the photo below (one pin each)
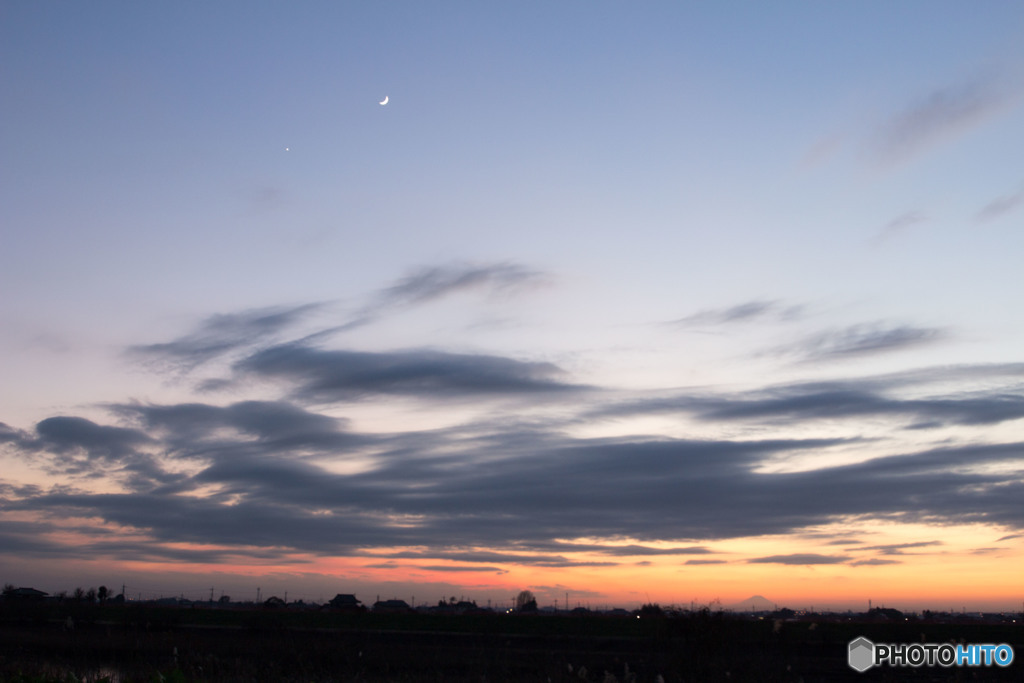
(65, 434)
(276, 425)
(484, 556)
(222, 334)
(860, 340)
(630, 550)
(898, 548)
(740, 313)
(325, 375)
(1009, 537)
(940, 115)
(852, 399)
(1001, 206)
(464, 568)
(800, 559)
(873, 562)
(29, 539)
(80, 447)
(278, 476)
(523, 493)
(9, 434)
(705, 562)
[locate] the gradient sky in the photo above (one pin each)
(674, 302)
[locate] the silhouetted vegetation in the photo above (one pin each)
(52, 640)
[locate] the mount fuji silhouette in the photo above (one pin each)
(755, 603)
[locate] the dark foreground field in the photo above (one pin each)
(131, 643)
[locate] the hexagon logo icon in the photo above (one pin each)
(861, 654)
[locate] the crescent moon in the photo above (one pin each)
(384, 101)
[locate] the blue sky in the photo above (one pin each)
(573, 226)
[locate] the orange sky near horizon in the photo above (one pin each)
(895, 568)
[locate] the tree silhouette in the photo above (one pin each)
(103, 593)
(526, 602)
(651, 609)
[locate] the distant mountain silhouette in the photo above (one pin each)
(755, 603)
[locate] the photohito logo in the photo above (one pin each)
(863, 654)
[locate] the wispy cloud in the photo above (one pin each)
(898, 548)
(1001, 206)
(801, 403)
(861, 340)
(223, 333)
(940, 115)
(873, 562)
(459, 568)
(428, 284)
(900, 224)
(800, 559)
(432, 283)
(630, 550)
(745, 312)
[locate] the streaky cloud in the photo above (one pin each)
(431, 283)
(900, 224)
(333, 375)
(458, 568)
(741, 313)
(800, 559)
(221, 334)
(861, 340)
(630, 550)
(275, 423)
(942, 114)
(646, 490)
(1001, 206)
(849, 399)
(898, 548)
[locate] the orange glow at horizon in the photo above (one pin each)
(901, 566)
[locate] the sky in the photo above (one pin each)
(613, 302)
